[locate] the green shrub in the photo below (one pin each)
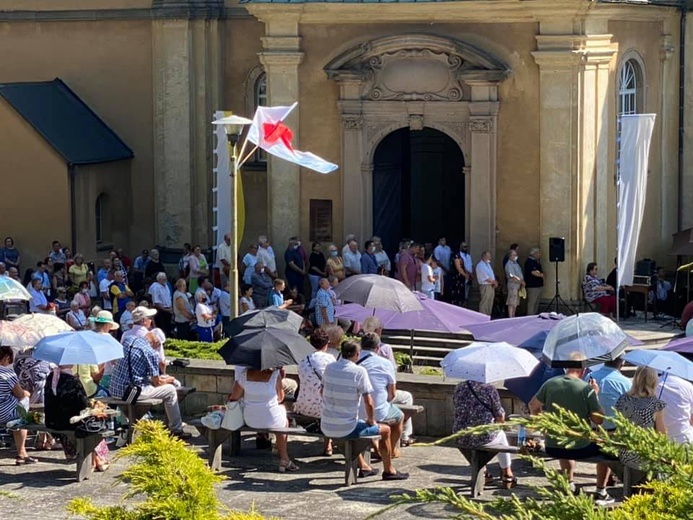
(668, 498)
(175, 481)
(431, 371)
(181, 348)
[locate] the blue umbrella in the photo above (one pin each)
(662, 361)
(78, 348)
(526, 387)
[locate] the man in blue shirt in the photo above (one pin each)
(612, 385)
(140, 367)
(369, 265)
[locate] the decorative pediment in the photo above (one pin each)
(414, 67)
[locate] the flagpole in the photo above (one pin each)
(244, 159)
(240, 154)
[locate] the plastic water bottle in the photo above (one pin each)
(521, 436)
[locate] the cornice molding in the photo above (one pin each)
(93, 15)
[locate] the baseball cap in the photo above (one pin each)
(141, 313)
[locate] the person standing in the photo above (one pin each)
(9, 254)
(198, 267)
(262, 285)
(56, 253)
(265, 255)
(513, 248)
(334, 264)
(459, 276)
(534, 280)
(383, 261)
(428, 279)
(295, 268)
(487, 283)
(466, 257)
(352, 258)
(161, 299)
(369, 264)
(183, 312)
(154, 265)
(324, 307)
(515, 279)
(677, 393)
(443, 255)
(224, 259)
(317, 270)
(120, 294)
(407, 266)
(248, 263)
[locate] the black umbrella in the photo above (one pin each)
(266, 318)
(266, 348)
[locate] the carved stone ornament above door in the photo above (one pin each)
(413, 67)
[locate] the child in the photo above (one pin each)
(276, 297)
(126, 318)
(438, 275)
(428, 281)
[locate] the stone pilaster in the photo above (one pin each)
(668, 122)
(281, 58)
(483, 125)
(574, 151)
(187, 84)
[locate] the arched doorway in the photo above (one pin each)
(418, 188)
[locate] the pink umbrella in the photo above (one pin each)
(435, 316)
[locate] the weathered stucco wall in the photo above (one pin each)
(109, 65)
(35, 199)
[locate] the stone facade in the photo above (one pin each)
(527, 90)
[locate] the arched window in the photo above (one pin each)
(260, 99)
(630, 98)
(630, 88)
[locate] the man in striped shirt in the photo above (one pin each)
(345, 383)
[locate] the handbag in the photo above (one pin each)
(132, 391)
(522, 293)
(233, 418)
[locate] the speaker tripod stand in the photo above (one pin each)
(557, 301)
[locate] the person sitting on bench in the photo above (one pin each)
(479, 403)
(345, 384)
(65, 398)
(573, 394)
(261, 391)
(140, 366)
(13, 396)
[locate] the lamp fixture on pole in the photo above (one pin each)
(233, 127)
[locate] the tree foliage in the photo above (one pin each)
(175, 482)
(669, 496)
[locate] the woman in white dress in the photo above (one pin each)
(310, 372)
(261, 392)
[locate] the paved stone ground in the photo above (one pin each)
(43, 490)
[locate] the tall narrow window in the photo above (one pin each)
(630, 98)
(260, 99)
(98, 217)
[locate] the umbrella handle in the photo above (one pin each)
(666, 374)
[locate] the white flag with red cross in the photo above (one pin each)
(270, 133)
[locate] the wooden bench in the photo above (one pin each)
(84, 445)
(132, 411)
(352, 447)
(479, 457)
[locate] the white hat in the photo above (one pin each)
(141, 313)
(106, 317)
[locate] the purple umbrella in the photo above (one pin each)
(683, 346)
(526, 331)
(436, 316)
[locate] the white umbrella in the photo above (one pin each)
(378, 292)
(488, 362)
(12, 290)
(583, 340)
(29, 329)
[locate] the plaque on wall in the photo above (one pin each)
(320, 220)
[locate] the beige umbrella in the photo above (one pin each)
(29, 329)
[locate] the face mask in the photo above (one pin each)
(371, 250)
(296, 246)
(334, 253)
(84, 291)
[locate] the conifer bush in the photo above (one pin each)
(167, 481)
(668, 496)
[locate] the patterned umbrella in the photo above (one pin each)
(27, 330)
(488, 362)
(12, 290)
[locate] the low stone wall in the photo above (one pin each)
(214, 382)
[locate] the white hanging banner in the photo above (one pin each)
(222, 182)
(636, 135)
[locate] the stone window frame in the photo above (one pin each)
(255, 81)
(633, 59)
